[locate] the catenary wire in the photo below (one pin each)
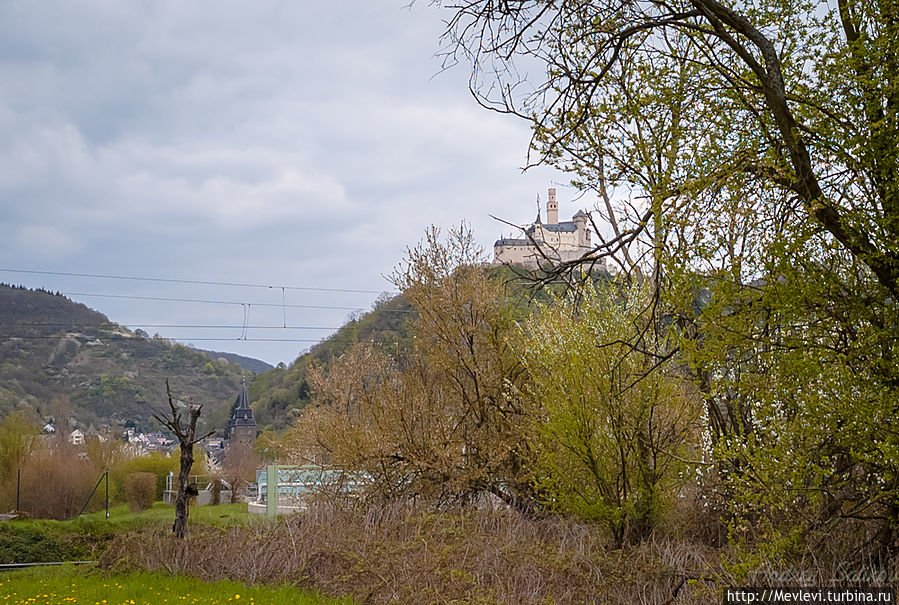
(209, 301)
(153, 325)
(226, 302)
(189, 281)
(182, 339)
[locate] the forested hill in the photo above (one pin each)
(61, 359)
(257, 366)
(278, 395)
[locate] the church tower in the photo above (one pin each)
(242, 427)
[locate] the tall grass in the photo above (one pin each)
(410, 554)
(413, 555)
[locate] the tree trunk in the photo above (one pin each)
(185, 491)
(186, 440)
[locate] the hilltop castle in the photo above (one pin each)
(546, 242)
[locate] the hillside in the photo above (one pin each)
(279, 394)
(62, 359)
(250, 364)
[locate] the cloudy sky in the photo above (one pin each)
(301, 144)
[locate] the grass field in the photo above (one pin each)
(160, 514)
(42, 540)
(69, 584)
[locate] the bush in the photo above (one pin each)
(140, 490)
(156, 464)
(610, 427)
(56, 482)
(30, 544)
(216, 492)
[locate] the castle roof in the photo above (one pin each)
(566, 226)
(580, 213)
(511, 241)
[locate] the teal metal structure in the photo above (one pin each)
(295, 484)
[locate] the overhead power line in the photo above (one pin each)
(229, 302)
(183, 339)
(153, 325)
(191, 281)
(213, 302)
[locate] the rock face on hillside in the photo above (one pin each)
(59, 358)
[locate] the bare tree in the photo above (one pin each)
(186, 440)
(240, 463)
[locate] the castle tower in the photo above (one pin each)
(581, 221)
(552, 209)
(242, 426)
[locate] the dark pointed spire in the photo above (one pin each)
(243, 413)
(243, 400)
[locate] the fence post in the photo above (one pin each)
(271, 486)
(86, 502)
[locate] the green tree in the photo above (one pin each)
(609, 433)
(757, 142)
(798, 99)
(17, 435)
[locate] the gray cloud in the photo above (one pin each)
(272, 142)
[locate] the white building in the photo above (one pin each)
(76, 437)
(546, 243)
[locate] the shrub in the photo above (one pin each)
(444, 421)
(611, 427)
(140, 489)
(15, 445)
(157, 464)
(216, 492)
(411, 555)
(29, 542)
(56, 482)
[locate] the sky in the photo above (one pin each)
(297, 144)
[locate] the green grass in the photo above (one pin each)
(69, 584)
(121, 518)
(41, 540)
